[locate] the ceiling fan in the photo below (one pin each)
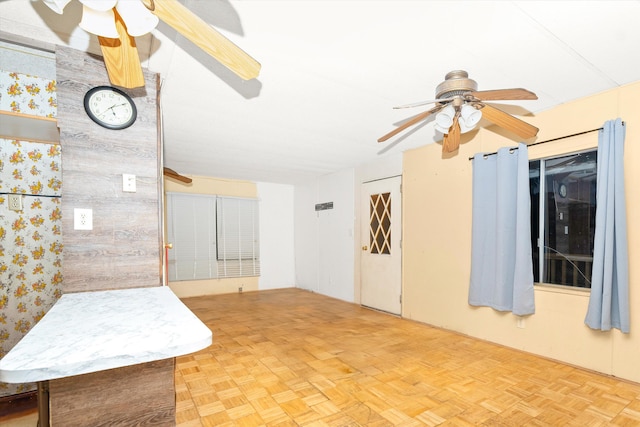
(118, 22)
(460, 106)
(175, 175)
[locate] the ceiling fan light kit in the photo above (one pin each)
(101, 5)
(470, 115)
(444, 119)
(99, 22)
(56, 5)
(468, 118)
(139, 19)
(459, 107)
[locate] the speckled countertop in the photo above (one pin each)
(93, 331)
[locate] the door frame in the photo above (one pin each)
(363, 220)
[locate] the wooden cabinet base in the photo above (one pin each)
(131, 396)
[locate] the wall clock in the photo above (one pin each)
(110, 107)
(563, 191)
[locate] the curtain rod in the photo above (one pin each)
(551, 140)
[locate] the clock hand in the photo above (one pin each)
(117, 105)
(111, 108)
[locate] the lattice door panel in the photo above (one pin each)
(380, 223)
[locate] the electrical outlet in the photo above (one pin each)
(15, 202)
(82, 219)
(128, 183)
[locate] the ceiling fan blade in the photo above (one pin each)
(173, 174)
(121, 57)
(421, 103)
(451, 141)
(503, 94)
(508, 122)
(420, 117)
(205, 37)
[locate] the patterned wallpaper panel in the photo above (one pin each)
(30, 239)
(30, 270)
(21, 93)
(30, 168)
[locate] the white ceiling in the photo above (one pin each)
(333, 70)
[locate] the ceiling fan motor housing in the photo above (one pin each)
(455, 83)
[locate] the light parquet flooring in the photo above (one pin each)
(294, 358)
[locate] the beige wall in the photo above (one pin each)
(221, 187)
(437, 242)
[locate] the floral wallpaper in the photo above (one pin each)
(30, 168)
(30, 239)
(22, 93)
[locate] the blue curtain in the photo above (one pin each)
(609, 300)
(501, 263)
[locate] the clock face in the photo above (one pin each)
(563, 190)
(110, 107)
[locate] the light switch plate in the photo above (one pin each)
(15, 202)
(128, 183)
(82, 219)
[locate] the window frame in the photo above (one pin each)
(540, 248)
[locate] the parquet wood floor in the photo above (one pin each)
(294, 358)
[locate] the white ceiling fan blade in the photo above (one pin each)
(421, 103)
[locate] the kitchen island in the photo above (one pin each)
(104, 332)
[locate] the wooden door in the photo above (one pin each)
(381, 260)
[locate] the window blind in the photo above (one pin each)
(237, 227)
(213, 237)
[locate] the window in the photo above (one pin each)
(563, 219)
(380, 223)
(212, 236)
